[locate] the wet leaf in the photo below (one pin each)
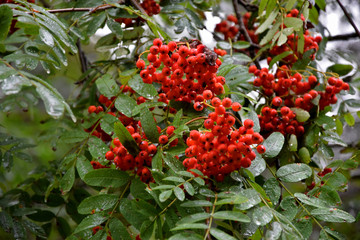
(294, 172)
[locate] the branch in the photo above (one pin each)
(248, 6)
(138, 6)
(244, 31)
(340, 37)
(90, 10)
(349, 18)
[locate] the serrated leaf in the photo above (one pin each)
(312, 201)
(165, 195)
(98, 203)
(118, 230)
(341, 69)
(97, 148)
(90, 222)
(115, 27)
(279, 57)
(174, 163)
(149, 126)
(125, 105)
(240, 45)
(253, 199)
(6, 15)
(179, 193)
(74, 136)
(220, 235)
(83, 166)
(197, 203)
(156, 162)
(301, 114)
(67, 181)
(269, 20)
(186, 235)
(257, 166)
(190, 226)
(273, 190)
(231, 215)
(174, 179)
(146, 90)
(194, 18)
(332, 215)
(349, 119)
(262, 216)
(126, 139)
(107, 86)
(293, 22)
(106, 177)
(194, 218)
(294, 172)
(189, 188)
(273, 144)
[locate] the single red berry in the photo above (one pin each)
(198, 106)
(163, 139)
(140, 64)
(170, 130)
(91, 109)
(207, 94)
(157, 42)
(109, 155)
(235, 106)
(226, 102)
(277, 101)
(248, 124)
(261, 149)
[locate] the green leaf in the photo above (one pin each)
(279, 57)
(146, 90)
(115, 27)
(6, 15)
(312, 201)
(34, 228)
(221, 235)
(186, 235)
(46, 37)
(125, 104)
(6, 221)
(156, 162)
(165, 195)
(194, 18)
(293, 143)
(349, 118)
(273, 190)
(126, 139)
(293, 22)
(98, 203)
(194, 218)
(197, 203)
(90, 222)
(257, 166)
(67, 181)
(273, 144)
(97, 148)
(253, 199)
(262, 216)
(106, 177)
(189, 188)
(290, 4)
(83, 166)
(341, 69)
(74, 136)
(149, 126)
(332, 215)
(179, 193)
(336, 181)
(270, 34)
(301, 114)
(107, 86)
(231, 215)
(294, 172)
(335, 139)
(269, 20)
(174, 163)
(174, 179)
(304, 155)
(163, 186)
(199, 181)
(118, 230)
(241, 45)
(190, 226)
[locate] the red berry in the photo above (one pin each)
(170, 130)
(91, 109)
(261, 149)
(235, 106)
(277, 101)
(163, 139)
(248, 124)
(140, 64)
(109, 155)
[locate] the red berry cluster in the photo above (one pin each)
(222, 149)
(98, 228)
(186, 73)
(310, 42)
(230, 28)
(324, 172)
(151, 8)
(291, 91)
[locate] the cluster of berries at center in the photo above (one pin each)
(221, 148)
(187, 70)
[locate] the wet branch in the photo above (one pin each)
(243, 30)
(349, 18)
(248, 6)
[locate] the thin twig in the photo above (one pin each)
(138, 6)
(349, 18)
(342, 37)
(245, 33)
(82, 58)
(248, 6)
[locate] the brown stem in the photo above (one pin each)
(248, 6)
(243, 30)
(341, 37)
(348, 17)
(138, 6)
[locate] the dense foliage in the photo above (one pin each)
(164, 137)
